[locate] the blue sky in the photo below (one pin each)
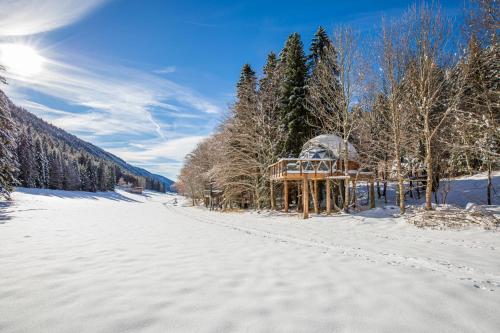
(147, 80)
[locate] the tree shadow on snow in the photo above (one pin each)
(114, 196)
(4, 211)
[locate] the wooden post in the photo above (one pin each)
(305, 197)
(285, 195)
(315, 198)
(372, 194)
(346, 195)
(328, 198)
(300, 200)
(354, 193)
(273, 199)
(336, 187)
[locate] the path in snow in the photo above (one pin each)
(83, 262)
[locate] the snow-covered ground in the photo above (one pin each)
(118, 262)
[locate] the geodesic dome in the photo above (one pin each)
(327, 146)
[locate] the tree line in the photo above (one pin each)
(33, 155)
(419, 100)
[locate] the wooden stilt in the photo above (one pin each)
(273, 199)
(354, 193)
(315, 198)
(285, 195)
(336, 195)
(328, 198)
(305, 197)
(372, 194)
(300, 199)
(346, 195)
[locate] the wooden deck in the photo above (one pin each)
(314, 169)
(306, 171)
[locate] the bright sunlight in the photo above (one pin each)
(20, 59)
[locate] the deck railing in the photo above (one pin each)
(298, 166)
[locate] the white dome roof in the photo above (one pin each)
(327, 146)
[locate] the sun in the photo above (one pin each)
(21, 60)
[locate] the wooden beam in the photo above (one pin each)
(285, 195)
(328, 198)
(273, 199)
(315, 196)
(300, 200)
(305, 197)
(354, 198)
(346, 195)
(372, 194)
(336, 188)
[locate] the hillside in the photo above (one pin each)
(59, 137)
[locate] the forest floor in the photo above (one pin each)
(119, 262)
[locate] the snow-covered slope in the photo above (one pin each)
(118, 262)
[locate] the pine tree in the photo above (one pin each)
(324, 82)
(293, 93)
(56, 173)
(42, 164)
(26, 156)
(91, 170)
(246, 90)
(71, 176)
(101, 176)
(8, 164)
(321, 49)
(111, 180)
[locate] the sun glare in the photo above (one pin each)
(22, 60)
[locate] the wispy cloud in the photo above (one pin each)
(151, 151)
(113, 100)
(140, 116)
(166, 70)
(29, 17)
(159, 156)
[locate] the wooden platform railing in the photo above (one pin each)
(298, 166)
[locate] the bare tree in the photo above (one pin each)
(426, 80)
(394, 61)
(331, 97)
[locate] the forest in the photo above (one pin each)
(420, 95)
(35, 154)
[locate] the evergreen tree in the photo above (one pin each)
(246, 90)
(42, 164)
(26, 156)
(102, 176)
(91, 170)
(111, 179)
(324, 81)
(71, 176)
(321, 47)
(293, 93)
(56, 173)
(8, 164)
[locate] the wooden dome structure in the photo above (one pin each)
(321, 160)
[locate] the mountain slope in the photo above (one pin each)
(25, 119)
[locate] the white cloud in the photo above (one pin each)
(29, 17)
(166, 70)
(107, 103)
(121, 99)
(158, 156)
(149, 152)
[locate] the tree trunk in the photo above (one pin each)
(430, 175)
(346, 169)
(401, 184)
(490, 185)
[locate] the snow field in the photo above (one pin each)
(118, 262)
